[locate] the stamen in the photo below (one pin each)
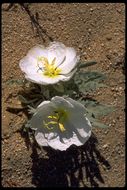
(61, 126)
(48, 69)
(57, 120)
(52, 117)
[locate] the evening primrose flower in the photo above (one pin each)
(49, 65)
(61, 122)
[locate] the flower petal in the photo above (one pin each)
(70, 62)
(77, 106)
(38, 51)
(45, 109)
(40, 138)
(42, 79)
(61, 102)
(28, 65)
(43, 104)
(76, 136)
(56, 50)
(81, 126)
(64, 140)
(68, 76)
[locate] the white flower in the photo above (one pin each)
(61, 122)
(49, 65)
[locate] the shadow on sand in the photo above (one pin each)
(71, 168)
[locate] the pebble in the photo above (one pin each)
(122, 155)
(91, 9)
(112, 88)
(89, 30)
(114, 95)
(119, 10)
(120, 88)
(105, 145)
(109, 38)
(108, 56)
(114, 121)
(80, 46)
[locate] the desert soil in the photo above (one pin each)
(97, 32)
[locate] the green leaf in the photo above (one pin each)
(95, 122)
(91, 86)
(100, 125)
(91, 75)
(25, 101)
(89, 81)
(31, 110)
(101, 110)
(97, 109)
(59, 87)
(86, 64)
(15, 81)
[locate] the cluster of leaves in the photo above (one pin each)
(82, 84)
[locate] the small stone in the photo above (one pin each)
(80, 46)
(122, 155)
(105, 145)
(8, 158)
(112, 89)
(84, 53)
(119, 10)
(109, 38)
(114, 95)
(89, 30)
(108, 56)
(114, 121)
(91, 9)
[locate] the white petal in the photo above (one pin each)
(43, 104)
(57, 144)
(77, 106)
(70, 62)
(81, 126)
(77, 133)
(42, 79)
(38, 51)
(61, 102)
(68, 76)
(41, 114)
(64, 140)
(52, 140)
(56, 50)
(28, 65)
(41, 140)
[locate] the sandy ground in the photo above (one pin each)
(97, 32)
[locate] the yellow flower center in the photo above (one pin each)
(57, 119)
(49, 70)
